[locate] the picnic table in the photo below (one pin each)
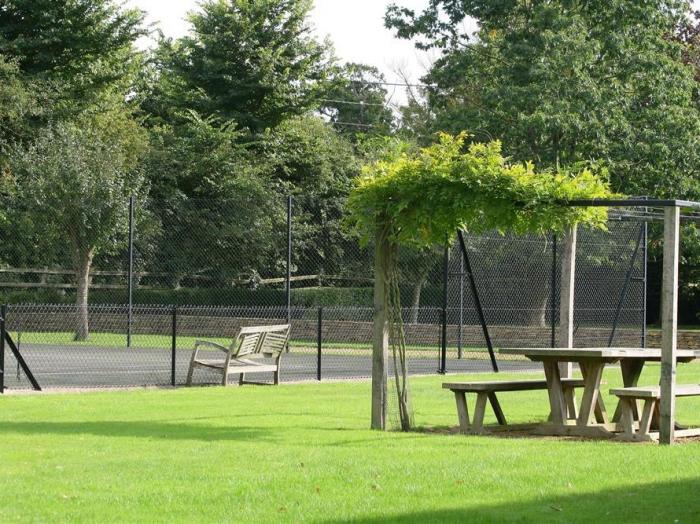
(591, 418)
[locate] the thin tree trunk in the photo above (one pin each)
(415, 302)
(380, 338)
(82, 269)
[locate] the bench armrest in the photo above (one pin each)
(214, 345)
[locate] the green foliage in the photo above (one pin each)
(77, 177)
(423, 199)
(355, 102)
(563, 82)
(82, 49)
(255, 63)
(316, 165)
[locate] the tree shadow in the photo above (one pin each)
(140, 429)
(657, 502)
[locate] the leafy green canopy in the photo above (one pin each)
(424, 197)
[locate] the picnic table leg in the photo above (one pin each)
(592, 371)
(479, 411)
(462, 412)
(601, 415)
(631, 371)
(556, 393)
(496, 405)
(572, 409)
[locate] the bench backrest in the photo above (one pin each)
(266, 340)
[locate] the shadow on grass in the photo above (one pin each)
(658, 502)
(139, 429)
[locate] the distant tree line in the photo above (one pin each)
(210, 131)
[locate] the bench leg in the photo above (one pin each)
(647, 414)
(241, 379)
(479, 412)
(462, 412)
(276, 376)
(500, 417)
(627, 416)
(190, 372)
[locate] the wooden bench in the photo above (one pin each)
(256, 349)
(650, 395)
(487, 391)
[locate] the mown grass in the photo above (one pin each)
(302, 452)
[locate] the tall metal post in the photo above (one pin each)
(443, 339)
(553, 292)
(645, 254)
(461, 308)
(173, 347)
(288, 280)
(3, 328)
(319, 342)
(130, 283)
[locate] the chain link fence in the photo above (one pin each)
(198, 269)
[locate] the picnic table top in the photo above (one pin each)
(597, 353)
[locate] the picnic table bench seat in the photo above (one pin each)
(256, 349)
(650, 396)
(486, 391)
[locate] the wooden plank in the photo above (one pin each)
(462, 411)
(669, 325)
(591, 392)
(682, 390)
(566, 297)
(479, 412)
(506, 385)
(555, 391)
(613, 354)
(496, 406)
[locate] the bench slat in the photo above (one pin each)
(507, 385)
(682, 390)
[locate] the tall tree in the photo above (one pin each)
(567, 82)
(356, 101)
(82, 48)
(251, 61)
(77, 178)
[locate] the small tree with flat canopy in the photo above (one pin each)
(421, 198)
(77, 178)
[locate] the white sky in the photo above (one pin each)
(356, 28)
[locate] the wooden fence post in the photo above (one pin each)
(669, 325)
(380, 338)
(566, 297)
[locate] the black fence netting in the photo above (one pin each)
(179, 272)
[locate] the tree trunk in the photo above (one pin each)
(83, 262)
(380, 337)
(415, 302)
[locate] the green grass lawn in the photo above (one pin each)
(302, 452)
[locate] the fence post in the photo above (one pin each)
(319, 343)
(461, 308)
(173, 349)
(553, 292)
(3, 328)
(443, 342)
(130, 283)
(288, 279)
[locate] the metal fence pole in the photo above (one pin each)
(645, 251)
(319, 342)
(173, 349)
(461, 307)
(3, 327)
(553, 292)
(443, 339)
(130, 283)
(288, 280)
